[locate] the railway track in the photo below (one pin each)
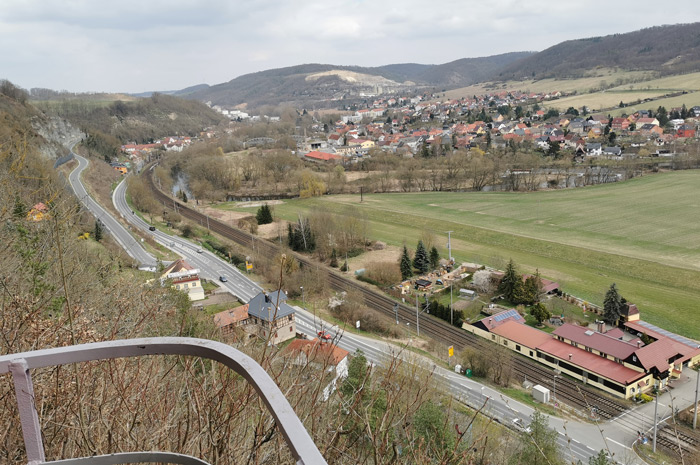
(677, 441)
(574, 393)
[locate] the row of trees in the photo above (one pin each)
(422, 260)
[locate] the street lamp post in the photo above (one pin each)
(451, 316)
(396, 312)
(303, 301)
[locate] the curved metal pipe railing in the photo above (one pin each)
(300, 443)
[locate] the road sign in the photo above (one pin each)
(248, 266)
(451, 351)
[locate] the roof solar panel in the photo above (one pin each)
(504, 315)
(669, 334)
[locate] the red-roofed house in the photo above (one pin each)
(185, 278)
(230, 319)
(323, 355)
(520, 337)
(322, 156)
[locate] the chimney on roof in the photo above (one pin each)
(639, 344)
(267, 298)
(490, 321)
(570, 355)
(601, 326)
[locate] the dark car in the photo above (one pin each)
(151, 228)
(223, 279)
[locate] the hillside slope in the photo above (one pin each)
(291, 84)
(140, 120)
(666, 49)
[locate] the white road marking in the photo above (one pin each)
(621, 445)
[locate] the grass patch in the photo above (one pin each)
(216, 308)
(525, 397)
(641, 234)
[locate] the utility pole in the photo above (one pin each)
(427, 306)
(396, 312)
(208, 224)
(656, 408)
(451, 316)
(695, 406)
(360, 193)
(449, 245)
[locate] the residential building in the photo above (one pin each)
(185, 278)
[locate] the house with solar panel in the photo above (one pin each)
(624, 361)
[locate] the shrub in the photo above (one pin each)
(383, 273)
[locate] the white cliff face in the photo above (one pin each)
(60, 135)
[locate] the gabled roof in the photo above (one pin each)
(178, 266)
(522, 334)
(263, 306)
(231, 316)
(595, 340)
(315, 349)
(491, 322)
(322, 156)
(590, 362)
(658, 353)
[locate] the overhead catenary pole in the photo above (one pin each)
(695, 405)
(449, 245)
(656, 408)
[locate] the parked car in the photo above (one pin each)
(223, 279)
(151, 228)
(520, 425)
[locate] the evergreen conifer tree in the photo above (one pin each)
(434, 258)
(420, 260)
(98, 230)
(334, 259)
(511, 284)
(612, 305)
(405, 264)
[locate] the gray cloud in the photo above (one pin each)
(132, 45)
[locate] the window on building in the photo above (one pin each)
(493, 337)
(505, 343)
(194, 284)
(517, 347)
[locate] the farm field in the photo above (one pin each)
(641, 234)
(600, 100)
(581, 85)
(689, 81)
(690, 100)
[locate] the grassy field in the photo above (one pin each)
(585, 84)
(642, 235)
(601, 100)
(690, 100)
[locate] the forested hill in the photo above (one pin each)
(316, 82)
(139, 120)
(666, 49)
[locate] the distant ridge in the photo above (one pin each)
(290, 84)
(666, 49)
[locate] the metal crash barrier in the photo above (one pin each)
(300, 443)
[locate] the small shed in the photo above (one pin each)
(423, 284)
(467, 293)
(540, 394)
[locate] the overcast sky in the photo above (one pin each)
(142, 45)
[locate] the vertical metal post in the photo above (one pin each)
(656, 408)
(451, 316)
(695, 406)
(417, 321)
(554, 393)
(449, 245)
(396, 313)
(31, 429)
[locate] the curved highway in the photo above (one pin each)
(114, 227)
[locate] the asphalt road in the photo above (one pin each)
(113, 227)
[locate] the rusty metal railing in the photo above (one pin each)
(300, 443)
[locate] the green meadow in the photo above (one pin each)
(642, 234)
